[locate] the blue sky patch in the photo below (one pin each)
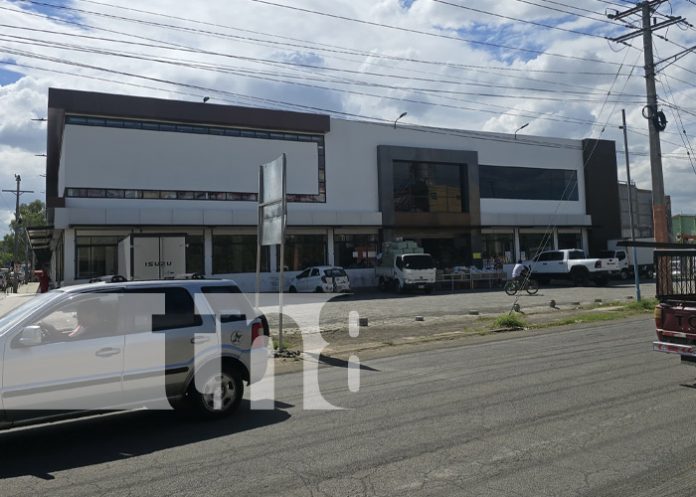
(406, 4)
(47, 10)
(506, 34)
(8, 77)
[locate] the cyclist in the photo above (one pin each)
(519, 272)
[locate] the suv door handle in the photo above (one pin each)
(107, 352)
(200, 339)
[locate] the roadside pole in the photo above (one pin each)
(636, 277)
(272, 223)
(18, 220)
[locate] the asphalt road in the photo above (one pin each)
(585, 412)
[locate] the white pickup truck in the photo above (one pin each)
(407, 271)
(568, 264)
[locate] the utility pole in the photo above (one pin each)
(18, 220)
(656, 118)
(630, 206)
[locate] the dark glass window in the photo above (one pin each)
(528, 183)
(151, 194)
(533, 243)
(114, 193)
(96, 256)
(236, 254)
(194, 254)
(569, 240)
(96, 193)
(429, 187)
(354, 251)
(302, 251)
(133, 194)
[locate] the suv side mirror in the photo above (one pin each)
(31, 336)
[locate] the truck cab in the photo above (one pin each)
(409, 271)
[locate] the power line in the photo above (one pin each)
(189, 63)
(516, 19)
(435, 35)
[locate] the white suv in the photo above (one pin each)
(111, 346)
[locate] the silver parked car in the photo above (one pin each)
(112, 346)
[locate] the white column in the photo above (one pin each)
(330, 257)
(555, 238)
(516, 236)
(585, 240)
(208, 251)
(68, 256)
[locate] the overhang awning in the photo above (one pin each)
(40, 237)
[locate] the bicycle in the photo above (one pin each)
(513, 286)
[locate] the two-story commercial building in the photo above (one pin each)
(128, 177)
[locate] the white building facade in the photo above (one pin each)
(122, 168)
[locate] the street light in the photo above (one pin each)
(520, 128)
(205, 99)
(403, 114)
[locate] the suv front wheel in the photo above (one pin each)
(221, 393)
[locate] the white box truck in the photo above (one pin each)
(624, 258)
(404, 266)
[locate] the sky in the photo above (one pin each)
(491, 65)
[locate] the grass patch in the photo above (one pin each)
(509, 321)
(643, 305)
(584, 318)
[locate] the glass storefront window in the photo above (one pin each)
(497, 249)
(533, 243)
(570, 241)
(96, 256)
(194, 254)
(302, 251)
(236, 254)
(355, 251)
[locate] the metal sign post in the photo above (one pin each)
(272, 221)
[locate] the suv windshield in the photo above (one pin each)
(418, 262)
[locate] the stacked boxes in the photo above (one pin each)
(391, 249)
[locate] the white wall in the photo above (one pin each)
(125, 158)
(101, 157)
(352, 152)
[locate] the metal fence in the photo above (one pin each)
(675, 273)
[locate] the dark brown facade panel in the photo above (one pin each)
(601, 193)
(106, 104)
(55, 202)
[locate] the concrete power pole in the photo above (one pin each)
(18, 220)
(656, 118)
